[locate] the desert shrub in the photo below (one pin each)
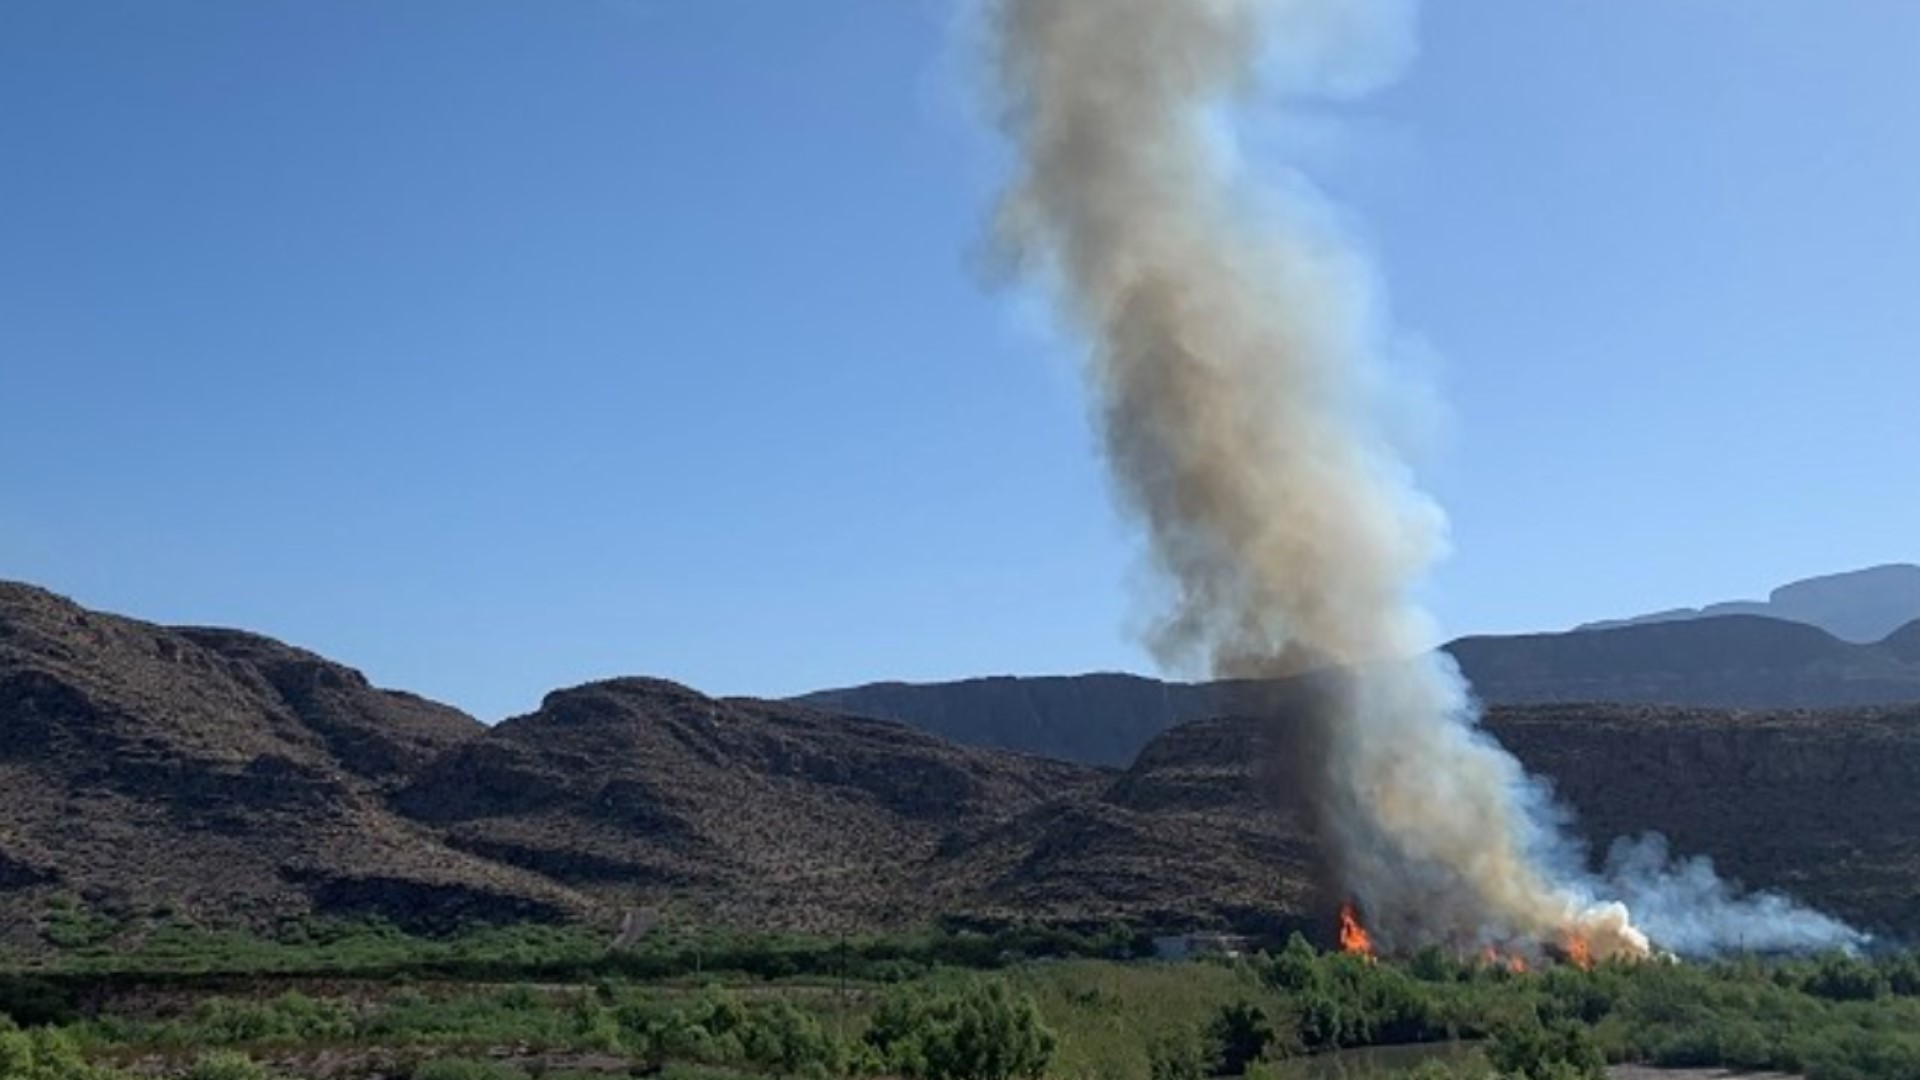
(981, 1031)
(41, 1054)
(460, 1068)
(594, 1025)
(292, 1017)
(226, 1065)
(1296, 967)
(1845, 978)
(69, 925)
(1179, 1057)
(1433, 965)
(514, 1014)
(1536, 1051)
(1585, 996)
(718, 1029)
(1344, 1001)
(1240, 1034)
(780, 1036)
(682, 1071)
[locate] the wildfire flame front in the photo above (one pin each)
(1353, 936)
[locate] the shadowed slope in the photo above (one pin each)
(139, 766)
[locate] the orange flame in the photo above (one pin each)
(1579, 953)
(1513, 962)
(1353, 936)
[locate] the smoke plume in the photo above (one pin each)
(1233, 365)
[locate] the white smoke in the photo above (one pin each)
(1235, 348)
(1687, 908)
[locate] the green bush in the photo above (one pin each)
(1844, 978)
(1346, 1001)
(718, 1029)
(71, 926)
(1240, 1033)
(1178, 1058)
(226, 1065)
(41, 1054)
(458, 1068)
(981, 1031)
(292, 1017)
(1539, 1052)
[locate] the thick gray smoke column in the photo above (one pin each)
(1231, 360)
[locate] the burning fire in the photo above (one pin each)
(1573, 948)
(1353, 936)
(1514, 962)
(1579, 953)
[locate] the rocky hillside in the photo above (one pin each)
(1824, 805)
(237, 779)
(1206, 827)
(643, 792)
(219, 774)
(1742, 662)
(230, 777)
(1207, 824)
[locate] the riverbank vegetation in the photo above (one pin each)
(335, 1002)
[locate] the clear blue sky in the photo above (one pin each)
(491, 347)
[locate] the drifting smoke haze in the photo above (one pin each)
(1233, 352)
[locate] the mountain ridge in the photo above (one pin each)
(233, 780)
(1736, 661)
(1862, 606)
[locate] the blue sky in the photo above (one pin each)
(492, 347)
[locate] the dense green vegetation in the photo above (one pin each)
(167, 950)
(511, 1004)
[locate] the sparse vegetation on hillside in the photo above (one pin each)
(218, 777)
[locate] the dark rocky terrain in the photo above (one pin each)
(220, 774)
(235, 779)
(1735, 661)
(1823, 805)
(644, 792)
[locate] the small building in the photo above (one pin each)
(1193, 946)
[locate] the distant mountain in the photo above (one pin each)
(1726, 662)
(1860, 606)
(1905, 642)
(1101, 719)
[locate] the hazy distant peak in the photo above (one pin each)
(1861, 606)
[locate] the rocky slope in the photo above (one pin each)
(219, 774)
(1822, 804)
(237, 779)
(1728, 662)
(644, 792)
(1207, 825)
